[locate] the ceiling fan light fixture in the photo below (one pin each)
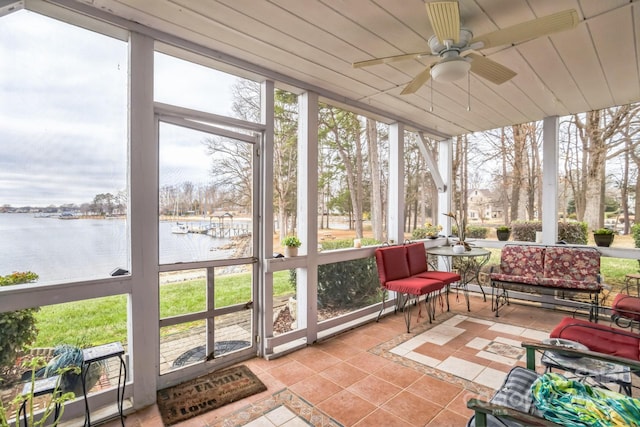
(449, 71)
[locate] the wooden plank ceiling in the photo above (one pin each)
(314, 42)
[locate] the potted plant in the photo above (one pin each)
(603, 236)
(52, 411)
(70, 356)
(503, 232)
(461, 245)
(291, 245)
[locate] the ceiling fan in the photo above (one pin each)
(453, 49)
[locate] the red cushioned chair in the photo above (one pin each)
(625, 310)
(418, 267)
(394, 274)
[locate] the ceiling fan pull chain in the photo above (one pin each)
(468, 91)
(431, 96)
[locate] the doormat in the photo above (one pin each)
(202, 394)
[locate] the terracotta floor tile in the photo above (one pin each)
(368, 362)
(363, 341)
(343, 374)
(380, 418)
(380, 330)
(346, 408)
(471, 358)
(502, 367)
(447, 418)
(374, 390)
(316, 359)
(462, 340)
(291, 373)
(399, 375)
(316, 389)
(337, 349)
(439, 352)
(413, 409)
(435, 390)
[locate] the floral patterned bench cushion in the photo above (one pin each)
(510, 278)
(522, 262)
(571, 268)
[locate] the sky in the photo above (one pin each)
(63, 105)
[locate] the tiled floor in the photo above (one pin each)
(377, 375)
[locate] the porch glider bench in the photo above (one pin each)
(549, 270)
(403, 269)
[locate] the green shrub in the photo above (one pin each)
(427, 231)
(635, 232)
(419, 233)
(571, 232)
(347, 284)
(17, 328)
(525, 231)
(477, 232)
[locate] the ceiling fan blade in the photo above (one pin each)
(389, 59)
(490, 69)
(539, 27)
(445, 20)
(417, 82)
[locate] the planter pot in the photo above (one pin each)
(290, 251)
(603, 240)
(503, 236)
(458, 249)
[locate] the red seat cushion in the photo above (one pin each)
(626, 306)
(414, 286)
(599, 338)
(443, 276)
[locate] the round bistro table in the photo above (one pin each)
(467, 264)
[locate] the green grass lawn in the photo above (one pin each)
(103, 320)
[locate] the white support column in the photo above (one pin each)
(445, 161)
(431, 164)
(395, 225)
(550, 180)
(308, 213)
(265, 293)
(143, 312)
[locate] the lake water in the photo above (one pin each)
(79, 249)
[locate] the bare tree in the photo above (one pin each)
(341, 132)
(246, 105)
(594, 129)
